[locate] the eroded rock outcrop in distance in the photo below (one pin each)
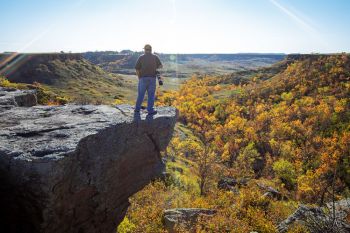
(72, 168)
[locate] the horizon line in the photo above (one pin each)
(190, 53)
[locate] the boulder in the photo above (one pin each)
(271, 192)
(184, 216)
(227, 183)
(321, 219)
(72, 168)
(230, 183)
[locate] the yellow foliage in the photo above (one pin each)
(118, 101)
(295, 125)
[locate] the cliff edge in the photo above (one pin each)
(72, 168)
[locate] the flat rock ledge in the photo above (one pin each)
(72, 168)
(10, 97)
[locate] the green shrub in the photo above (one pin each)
(285, 171)
(126, 226)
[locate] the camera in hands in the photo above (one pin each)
(159, 77)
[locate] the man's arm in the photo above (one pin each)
(159, 64)
(138, 73)
(138, 68)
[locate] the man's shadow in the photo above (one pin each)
(137, 116)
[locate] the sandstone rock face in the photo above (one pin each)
(72, 168)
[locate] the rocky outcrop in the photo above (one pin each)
(271, 192)
(231, 183)
(227, 183)
(331, 218)
(72, 168)
(186, 217)
(10, 97)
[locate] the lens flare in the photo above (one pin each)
(10, 62)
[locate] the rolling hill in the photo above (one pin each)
(68, 75)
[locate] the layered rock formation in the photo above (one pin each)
(72, 168)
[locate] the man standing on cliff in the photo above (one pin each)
(146, 67)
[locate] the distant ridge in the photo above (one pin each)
(184, 65)
(12, 61)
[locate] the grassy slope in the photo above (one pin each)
(83, 82)
(77, 79)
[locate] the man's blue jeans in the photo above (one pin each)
(146, 84)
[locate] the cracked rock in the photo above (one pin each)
(72, 168)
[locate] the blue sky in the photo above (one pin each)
(176, 26)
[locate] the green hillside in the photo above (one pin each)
(69, 75)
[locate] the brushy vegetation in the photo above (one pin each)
(86, 83)
(290, 131)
